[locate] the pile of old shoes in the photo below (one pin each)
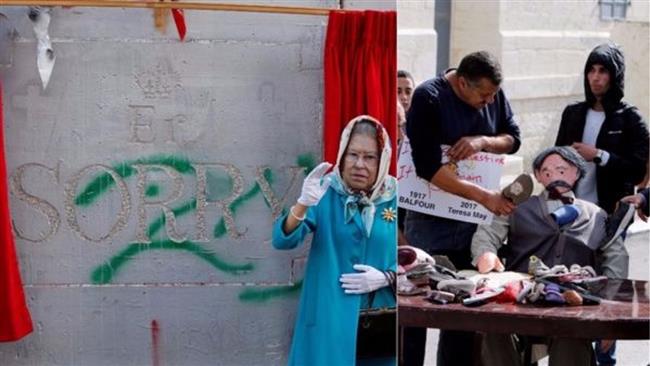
(553, 294)
(420, 276)
(531, 292)
(510, 292)
(555, 285)
(413, 270)
(441, 297)
(406, 287)
(462, 288)
(408, 257)
(420, 273)
(414, 281)
(505, 294)
(560, 273)
(539, 269)
(431, 274)
(580, 274)
(548, 293)
(572, 297)
(417, 272)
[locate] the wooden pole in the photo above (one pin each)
(180, 4)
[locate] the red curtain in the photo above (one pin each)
(360, 66)
(15, 321)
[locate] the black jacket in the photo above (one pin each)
(624, 133)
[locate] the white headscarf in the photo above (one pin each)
(384, 187)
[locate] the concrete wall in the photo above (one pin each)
(472, 28)
(542, 46)
(633, 38)
(368, 4)
(132, 117)
(416, 38)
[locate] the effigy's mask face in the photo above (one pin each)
(361, 162)
(554, 169)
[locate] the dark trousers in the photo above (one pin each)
(413, 344)
(454, 347)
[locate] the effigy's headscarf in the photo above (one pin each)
(383, 189)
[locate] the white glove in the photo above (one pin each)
(314, 186)
(369, 280)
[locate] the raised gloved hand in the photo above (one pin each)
(314, 186)
(368, 280)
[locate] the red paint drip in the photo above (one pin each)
(179, 20)
(155, 343)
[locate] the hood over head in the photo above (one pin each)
(610, 56)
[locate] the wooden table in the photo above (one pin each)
(623, 314)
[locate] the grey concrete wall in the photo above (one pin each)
(417, 40)
(132, 117)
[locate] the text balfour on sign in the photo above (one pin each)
(416, 194)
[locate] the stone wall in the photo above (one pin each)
(416, 39)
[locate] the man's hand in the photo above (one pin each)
(489, 261)
(466, 147)
(588, 152)
(637, 200)
(497, 204)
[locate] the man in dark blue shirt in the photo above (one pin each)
(465, 109)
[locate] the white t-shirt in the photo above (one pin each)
(587, 187)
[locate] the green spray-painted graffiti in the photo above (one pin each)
(152, 190)
(105, 272)
(104, 182)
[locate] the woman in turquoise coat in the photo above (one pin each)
(352, 214)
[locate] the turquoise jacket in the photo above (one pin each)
(326, 327)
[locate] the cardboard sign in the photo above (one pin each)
(416, 194)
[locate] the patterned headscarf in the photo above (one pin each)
(382, 190)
